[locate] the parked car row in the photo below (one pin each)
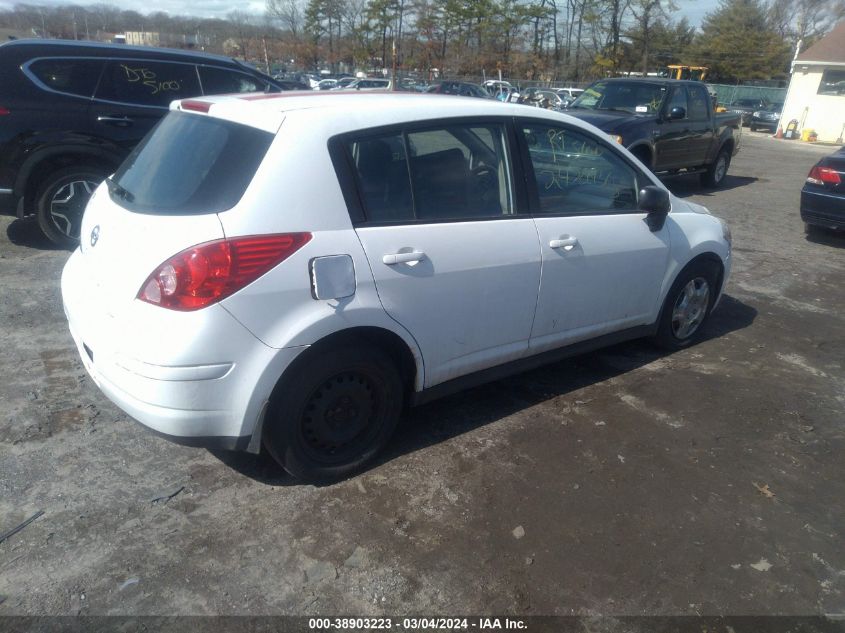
(758, 113)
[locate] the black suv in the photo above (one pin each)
(70, 112)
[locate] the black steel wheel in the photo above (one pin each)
(333, 413)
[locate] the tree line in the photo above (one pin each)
(541, 40)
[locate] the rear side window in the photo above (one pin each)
(457, 173)
(216, 81)
(72, 76)
(190, 164)
(148, 83)
(699, 103)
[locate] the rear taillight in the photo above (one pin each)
(210, 272)
(4, 111)
(824, 176)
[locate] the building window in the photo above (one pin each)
(833, 83)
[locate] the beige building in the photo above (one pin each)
(142, 38)
(816, 95)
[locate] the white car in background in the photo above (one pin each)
(326, 84)
(289, 270)
(367, 83)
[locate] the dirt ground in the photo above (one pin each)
(626, 482)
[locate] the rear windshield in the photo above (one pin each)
(190, 164)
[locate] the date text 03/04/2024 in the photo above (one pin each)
(415, 624)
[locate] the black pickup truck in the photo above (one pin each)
(670, 125)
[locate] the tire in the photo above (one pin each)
(334, 413)
(61, 199)
(643, 155)
(687, 306)
(717, 170)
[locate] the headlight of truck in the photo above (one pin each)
(757, 115)
(616, 138)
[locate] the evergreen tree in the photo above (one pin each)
(738, 43)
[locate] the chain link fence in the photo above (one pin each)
(727, 94)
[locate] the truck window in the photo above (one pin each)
(678, 100)
(699, 103)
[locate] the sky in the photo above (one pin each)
(694, 10)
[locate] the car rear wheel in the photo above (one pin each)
(61, 200)
(688, 305)
(334, 413)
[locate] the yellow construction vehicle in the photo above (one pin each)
(695, 73)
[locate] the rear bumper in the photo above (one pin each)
(206, 384)
(823, 209)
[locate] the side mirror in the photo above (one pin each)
(677, 113)
(655, 202)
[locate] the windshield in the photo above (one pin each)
(190, 164)
(636, 97)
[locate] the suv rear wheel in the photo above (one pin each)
(61, 199)
(334, 413)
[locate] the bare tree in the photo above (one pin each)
(288, 13)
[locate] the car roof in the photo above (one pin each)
(653, 80)
(104, 49)
(357, 110)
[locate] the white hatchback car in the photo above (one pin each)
(289, 270)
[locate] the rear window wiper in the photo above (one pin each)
(119, 191)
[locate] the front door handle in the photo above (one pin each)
(119, 121)
(566, 243)
(403, 258)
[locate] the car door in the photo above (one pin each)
(672, 143)
(700, 115)
(453, 260)
(602, 268)
(134, 94)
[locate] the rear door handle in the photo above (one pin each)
(120, 121)
(403, 258)
(566, 243)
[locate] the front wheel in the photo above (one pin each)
(688, 305)
(61, 200)
(717, 170)
(334, 413)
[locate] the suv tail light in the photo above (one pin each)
(210, 272)
(823, 175)
(4, 111)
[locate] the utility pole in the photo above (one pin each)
(393, 83)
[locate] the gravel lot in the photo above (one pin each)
(708, 481)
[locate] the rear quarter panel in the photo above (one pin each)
(296, 190)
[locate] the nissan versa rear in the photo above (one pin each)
(290, 271)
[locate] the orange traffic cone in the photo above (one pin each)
(779, 133)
